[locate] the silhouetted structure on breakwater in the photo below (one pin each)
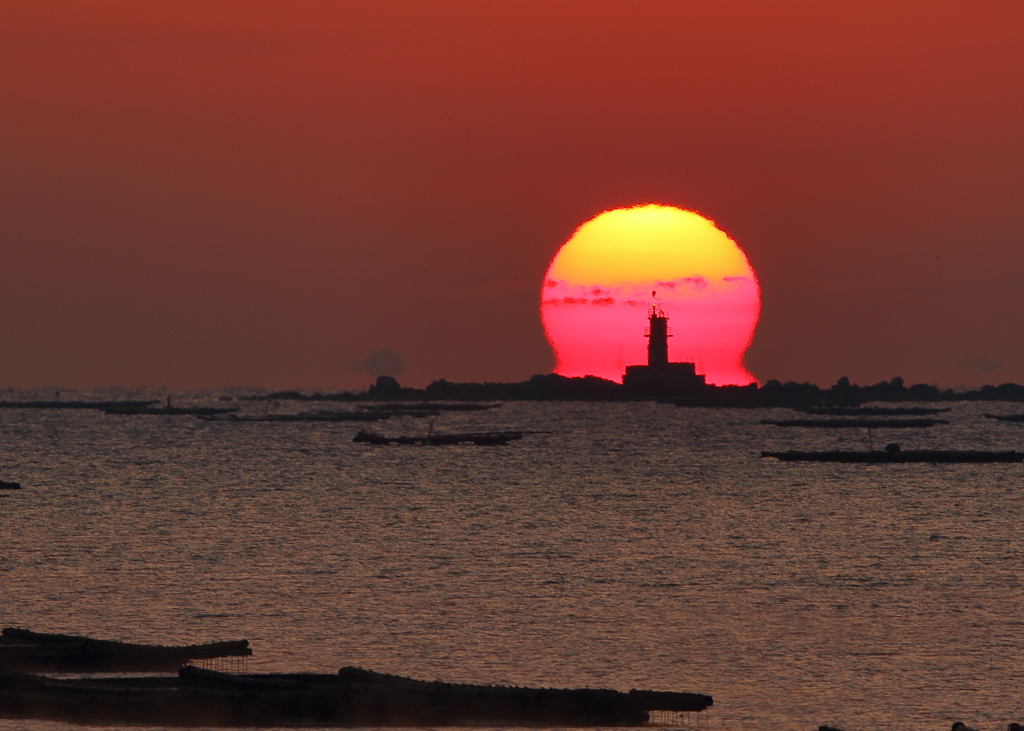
(665, 381)
(661, 376)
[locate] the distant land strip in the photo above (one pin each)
(553, 387)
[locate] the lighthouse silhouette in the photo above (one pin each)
(660, 375)
(657, 335)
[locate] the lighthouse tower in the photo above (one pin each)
(657, 335)
(660, 377)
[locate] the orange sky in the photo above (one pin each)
(218, 192)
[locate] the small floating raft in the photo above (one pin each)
(898, 456)
(428, 406)
(491, 438)
(873, 410)
(24, 651)
(4, 485)
(330, 416)
(76, 404)
(858, 423)
(171, 411)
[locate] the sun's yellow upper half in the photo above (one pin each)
(646, 243)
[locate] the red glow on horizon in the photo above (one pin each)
(596, 292)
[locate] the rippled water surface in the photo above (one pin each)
(635, 546)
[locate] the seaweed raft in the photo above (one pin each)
(353, 697)
(23, 651)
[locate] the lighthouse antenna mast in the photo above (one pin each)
(654, 306)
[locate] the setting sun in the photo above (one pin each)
(597, 289)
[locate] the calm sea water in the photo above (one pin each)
(635, 546)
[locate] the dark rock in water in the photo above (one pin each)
(4, 485)
(1014, 727)
(961, 726)
(826, 727)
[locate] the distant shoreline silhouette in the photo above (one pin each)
(553, 387)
